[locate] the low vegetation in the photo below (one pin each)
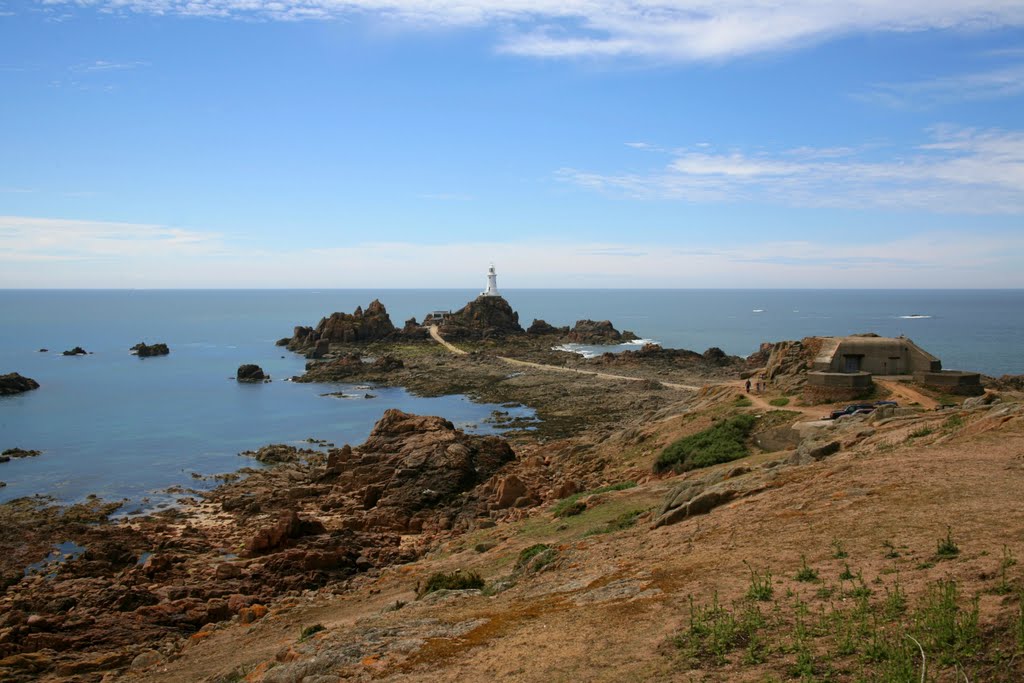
(574, 505)
(844, 633)
(779, 402)
(723, 442)
(454, 581)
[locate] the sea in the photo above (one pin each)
(142, 430)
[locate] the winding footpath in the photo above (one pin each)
(435, 334)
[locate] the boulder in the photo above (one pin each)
(510, 490)
(77, 351)
(288, 526)
(143, 350)
(13, 383)
(981, 401)
(251, 373)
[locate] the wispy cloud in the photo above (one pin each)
(101, 65)
(957, 171)
(30, 239)
(684, 30)
(97, 254)
(1004, 81)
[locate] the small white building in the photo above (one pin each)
(492, 283)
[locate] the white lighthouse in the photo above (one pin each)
(492, 283)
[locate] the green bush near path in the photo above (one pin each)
(720, 443)
(573, 505)
(779, 402)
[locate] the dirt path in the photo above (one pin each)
(907, 394)
(761, 402)
(435, 334)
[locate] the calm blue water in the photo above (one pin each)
(119, 426)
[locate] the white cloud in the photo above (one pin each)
(959, 171)
(1004, 81)
(39, 252)
(663, 29)
(101, 65)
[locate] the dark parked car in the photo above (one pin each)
(852, 409)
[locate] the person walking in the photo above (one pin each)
(748, 386)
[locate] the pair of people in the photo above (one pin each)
(761, 386)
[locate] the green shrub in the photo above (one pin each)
(720, 443)
(806, 574)
(782, 401)
(742, 402)
(455, 581)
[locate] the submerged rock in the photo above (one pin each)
(18, 453)
(77, 351)
(13, 383)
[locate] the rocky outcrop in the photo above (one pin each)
(360, 326)
(13, 383)
(251, 373)
(351, 366)
(597, 332)
(786, 363)
(144, 350)
(277, 453)
(1007, 383)
(701, 495)
(486, 317)
(411, 473)
(77, 351)
(713, 361)
(541, 327)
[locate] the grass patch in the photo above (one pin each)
(537, 550)
(742, 401)
(761, 588)
(723, 442)
(573, 505)
(779, 402)
(923, 431)
(890, 639)
(806, 574)
(455, 581)
(624, 521)
(947, 548)
(953, 422)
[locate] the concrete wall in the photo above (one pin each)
(829, 387)
(951, 382)
(876, 355)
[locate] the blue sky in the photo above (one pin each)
(376, 143)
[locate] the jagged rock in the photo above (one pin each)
(77, 351)
(1008, 383)
(289, 526)
(410, 466)
(538, 327)
(143, 350)
(597, 332)
(373, 324)
(486, 317)
(251, 373)
(13, 383)
(275, 454)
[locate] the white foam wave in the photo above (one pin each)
(915, 316)
(758, 310)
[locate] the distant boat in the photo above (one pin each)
(758, 310)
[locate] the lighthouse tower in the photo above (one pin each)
(492, 283)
